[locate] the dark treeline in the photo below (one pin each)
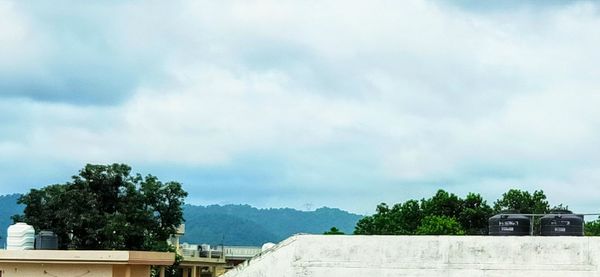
(448, 214)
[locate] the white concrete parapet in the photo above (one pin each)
(426, 256)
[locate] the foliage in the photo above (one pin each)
(380, 223)
(560, 208)
(592, 228)
(439, 225)
(105, 207)
(401, 219)
(442, 204)
(406, 218)
(523, 202)
(409, 215)
(474, 215)
(334, 231)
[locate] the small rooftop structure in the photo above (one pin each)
(213, 259)
(47, 263)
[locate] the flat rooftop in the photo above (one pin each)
(426, 256)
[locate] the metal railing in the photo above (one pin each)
(220, 251)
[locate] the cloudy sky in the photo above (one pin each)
(301, 104)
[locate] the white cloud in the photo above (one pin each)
(17, 39)
(341, 94)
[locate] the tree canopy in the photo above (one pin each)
(408, 218)
(523, 202)
(440, 225)
(592, 228)
(334, 231)
(474, 214)
(449, 214)
(107, 207)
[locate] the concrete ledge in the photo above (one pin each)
(464, 256)
(87, 257)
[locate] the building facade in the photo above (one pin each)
(76, 263)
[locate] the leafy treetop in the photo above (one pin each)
(106, 207)
(448, 213)
(440, 225)
(334, 231)
(523, 202)
(407, 218)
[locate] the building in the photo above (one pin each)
(197, 263)
(426, 256)
(207, 260)
(77, 263)
(235, 255)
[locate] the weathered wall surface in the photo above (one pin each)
(431, 256)
(52, 270)
(134, 271)
(71, 270)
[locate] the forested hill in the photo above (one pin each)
(246, 225)
(233, 224)
(8, 208)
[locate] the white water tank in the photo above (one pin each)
(20, 236)
(267, 246)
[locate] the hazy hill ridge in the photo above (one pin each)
(234, 224)
(8, 208)
(246, 225)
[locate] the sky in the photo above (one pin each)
(303, 104)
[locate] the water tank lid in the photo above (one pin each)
(505, 216)
(20, 225)
(267, 246)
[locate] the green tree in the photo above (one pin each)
(440, 225)
(523, 202)
(378, 224)
(442, 204)
(334, 231)
(408, 217)
(474, 215)
(365, 226)
(592, 228)
(401, 219)
(106, 207)
(560, 208)
(471, 213)
(405, 218)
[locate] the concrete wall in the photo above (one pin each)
(72, 270)
(52, 270)
(420, 256)
(134, 271)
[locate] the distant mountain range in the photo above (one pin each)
(234, 224)
(246, 225)
(8, 208)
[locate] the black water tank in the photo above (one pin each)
(46, 240)
(562, 224)
(509, 225)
